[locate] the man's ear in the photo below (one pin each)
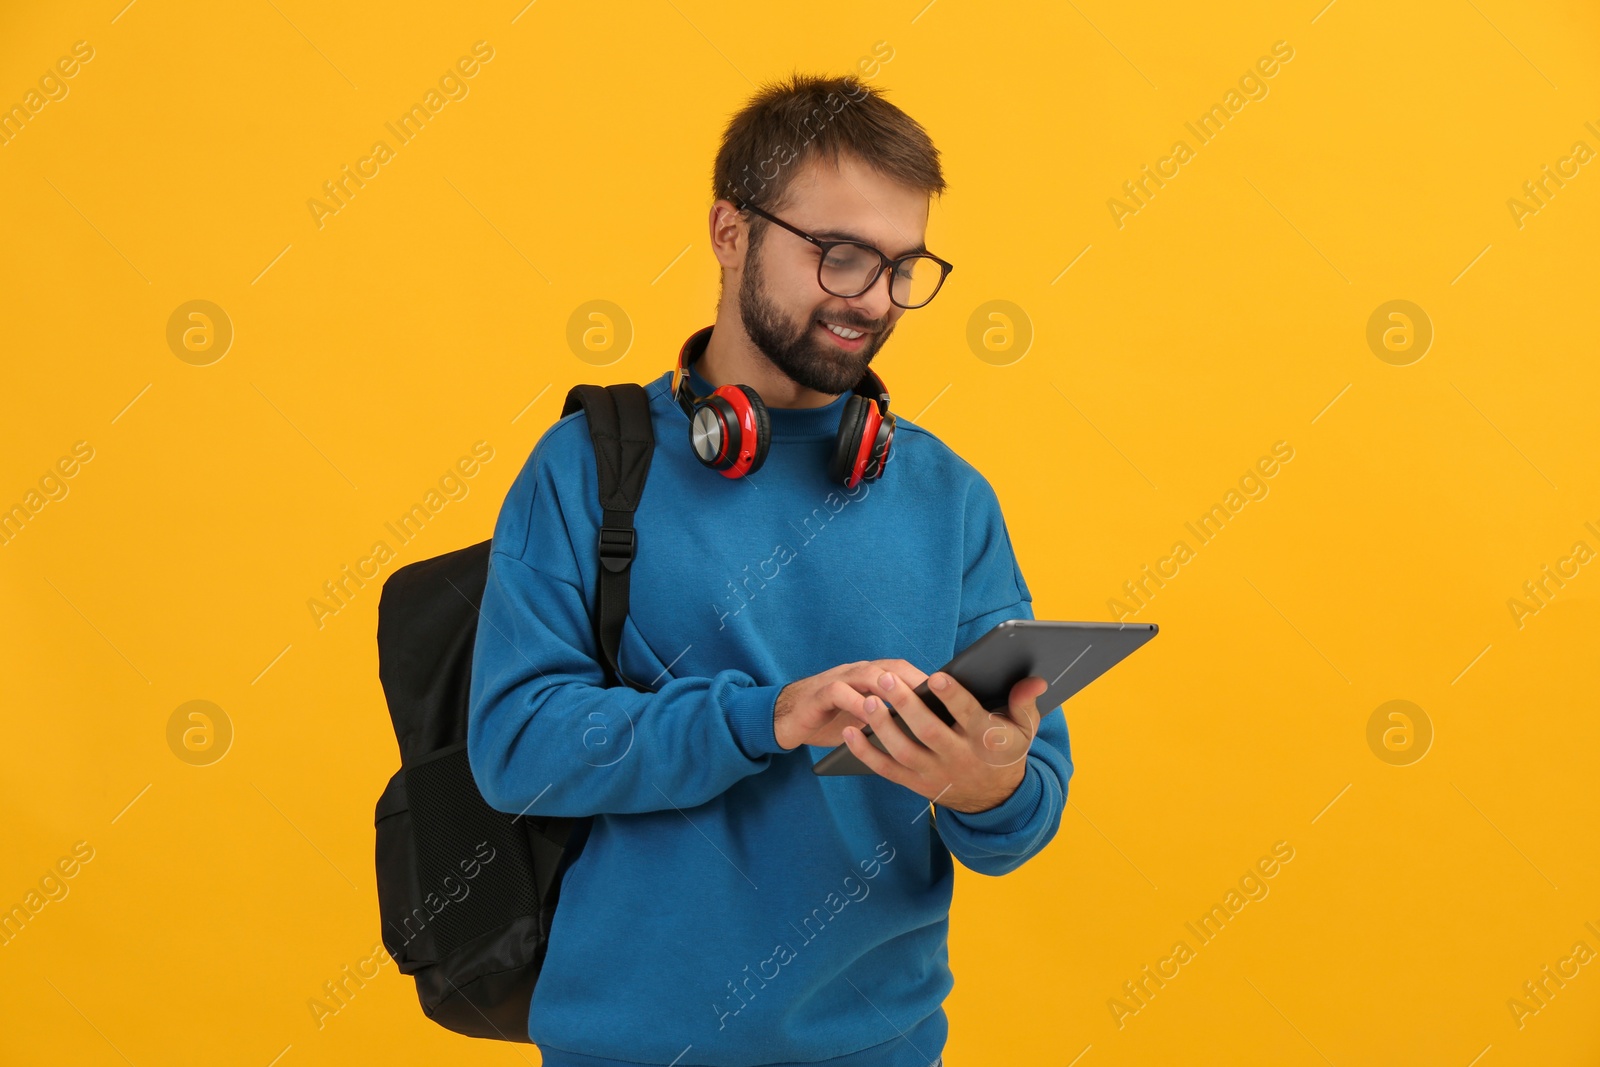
(729, 234)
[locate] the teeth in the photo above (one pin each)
(848, 335)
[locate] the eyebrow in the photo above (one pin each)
(847, 235)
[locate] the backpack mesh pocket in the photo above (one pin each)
(474, 867)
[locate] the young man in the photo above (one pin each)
(731, 907)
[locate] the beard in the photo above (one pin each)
(795, 348)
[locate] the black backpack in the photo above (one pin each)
(467, 893)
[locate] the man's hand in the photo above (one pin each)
(814, 710)
(970, 767)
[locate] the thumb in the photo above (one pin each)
(1024, 700)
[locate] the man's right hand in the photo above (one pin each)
(815, 710)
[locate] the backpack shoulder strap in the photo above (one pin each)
(624, 441)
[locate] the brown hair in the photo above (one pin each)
(810, 117)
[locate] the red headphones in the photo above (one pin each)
(729, 429)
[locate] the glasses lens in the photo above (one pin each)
(848, 268)
(916, 280)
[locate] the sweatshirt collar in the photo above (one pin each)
(784, 422)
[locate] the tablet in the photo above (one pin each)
(1068, 655)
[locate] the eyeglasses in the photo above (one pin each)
(849, 268)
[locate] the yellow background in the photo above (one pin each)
(431, 312)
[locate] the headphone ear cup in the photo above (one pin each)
(763, 427)
(880, 450)
(847, 445)
(709, 432)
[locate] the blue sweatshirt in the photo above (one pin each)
(730, 907)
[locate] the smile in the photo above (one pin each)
(842, 331)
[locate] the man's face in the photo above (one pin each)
(781, 304)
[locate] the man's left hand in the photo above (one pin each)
(970, 767)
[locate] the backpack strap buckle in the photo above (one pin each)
(617, 547)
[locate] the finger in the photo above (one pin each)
(818, 714)
(827, 733)
(1024, 702)
(928, 727)
(1022, 706)
(1006, 738)
(865, 751)
(900, 748)
(1003, 742)
(843, 696)
(959, 701)
(904, 668)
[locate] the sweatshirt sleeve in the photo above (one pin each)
(1000, 840)
(545, 734)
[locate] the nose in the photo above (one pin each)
(874, 303)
